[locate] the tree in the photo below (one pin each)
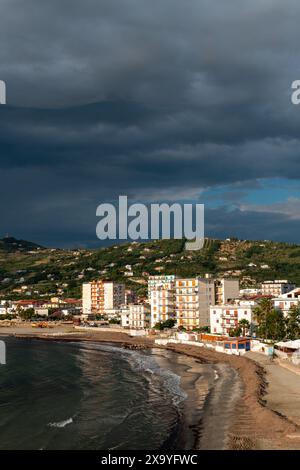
(27, 314)
(169, 323)
(202, 329)
(235, 331)
(166, 324)
(292, 323)
(275, 325)
(271, 323)
(245, 325)
(56, 315)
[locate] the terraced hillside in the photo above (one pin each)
(27, 269)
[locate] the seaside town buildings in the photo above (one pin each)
(192, 302)
(188, 300)
(42, 308)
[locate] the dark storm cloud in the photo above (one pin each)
(186, 96)
(252, 225)
(196, 53)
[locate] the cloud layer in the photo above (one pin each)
(162, 100)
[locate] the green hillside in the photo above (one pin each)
(42, 271)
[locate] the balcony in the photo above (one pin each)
(230, 315)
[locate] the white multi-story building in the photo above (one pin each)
(136, 316)
(162, 303)
(192, 300)
(163, 281)
(223, 318)
(277, 287)
(161, 296)
(139, 316)
(286, 301)
(87, 298)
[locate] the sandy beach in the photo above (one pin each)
(266, 414)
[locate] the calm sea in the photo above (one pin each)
(86, 396)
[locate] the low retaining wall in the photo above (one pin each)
(164, 342)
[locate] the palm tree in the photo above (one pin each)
(261, 311)
(245, 325)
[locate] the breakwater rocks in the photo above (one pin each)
(133, 346)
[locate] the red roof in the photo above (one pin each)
(71, 301)
(29, 302)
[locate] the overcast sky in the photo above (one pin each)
(167, 100)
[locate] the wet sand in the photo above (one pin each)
(212, 390)
(255, 423)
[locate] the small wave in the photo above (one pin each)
(148, 364)
(170, 380)
(216, 375)
(61, 424)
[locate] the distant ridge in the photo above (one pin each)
(12, 244)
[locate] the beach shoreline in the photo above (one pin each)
(253, 425)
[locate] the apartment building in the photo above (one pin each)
(162, 281)
(114, 295)
(100, 296)
(162, 303)
(161, 296)
(136, 316)
(192, 300)
(223, 318)
(277, 287)
(226, 289)
(288, 300)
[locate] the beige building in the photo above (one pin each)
(277, 287)
(226, 289)
(100, 296)
(193, 298)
